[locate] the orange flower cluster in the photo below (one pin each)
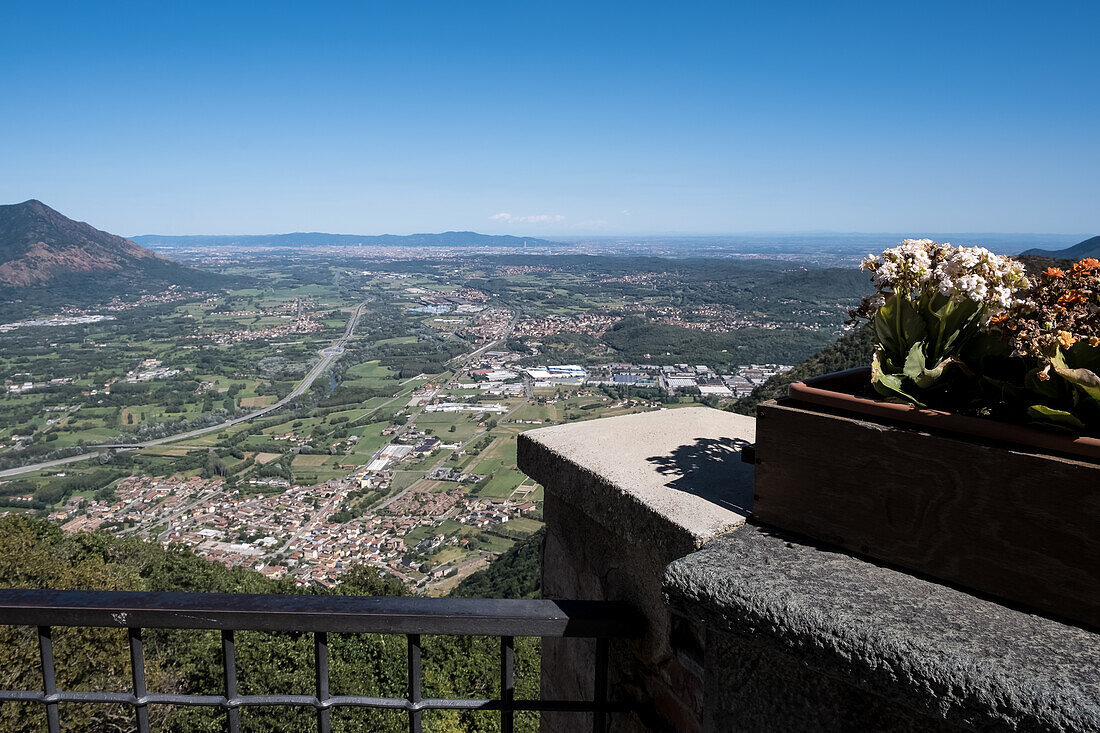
(1059, 310)
(1089, 264)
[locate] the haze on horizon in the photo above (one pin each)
(558, 120)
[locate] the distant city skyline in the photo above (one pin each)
(608, 119)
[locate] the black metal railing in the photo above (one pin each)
(319, 615)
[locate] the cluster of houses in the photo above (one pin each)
(447, 473)
(466, 407)
(486, 513)
(171, 294)
(303, 324)
(288, 534)
(711, 317)
(426, 503)
(292, 438)
(592, 324)
(491, 324)
(138, 500)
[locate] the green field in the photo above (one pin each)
(370, 437)
(370, 370)
(440, 423)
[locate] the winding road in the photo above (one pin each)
(329, 354)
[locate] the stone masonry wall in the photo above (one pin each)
(754, 630)
(662, 672)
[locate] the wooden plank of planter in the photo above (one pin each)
(1024, 526)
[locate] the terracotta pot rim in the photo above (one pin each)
(823, 391)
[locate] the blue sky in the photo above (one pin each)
(554, 118)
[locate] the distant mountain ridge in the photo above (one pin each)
(321, 239)
(46, 257)
(1088, 248)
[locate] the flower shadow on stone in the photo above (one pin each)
(710, 468)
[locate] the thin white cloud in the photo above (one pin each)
(530, 219)
(625, 212)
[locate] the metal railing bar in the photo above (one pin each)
(137, 666)
(334, 614)
(229, 662)
(545, 706)
(507, 682)
(415, 717)
(387, 703)
(320, 654)
(49, 679)
(123, 698)
(321, 615)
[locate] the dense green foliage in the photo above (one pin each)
(35, 554)
(778, 293)
(635, 339)
(515, 574)
(854, 349)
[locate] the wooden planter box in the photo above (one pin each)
(1017, 522)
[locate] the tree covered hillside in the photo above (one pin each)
(642, 341)
(515, 574)
(854, 349)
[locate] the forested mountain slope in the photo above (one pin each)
(48, 259)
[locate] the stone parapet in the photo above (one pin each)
(943, 658)
(751, 629)
(625, 496)
(672, 479)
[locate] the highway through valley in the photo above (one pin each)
(329, 354)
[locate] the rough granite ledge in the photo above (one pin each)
(672, 477)
(923, 645)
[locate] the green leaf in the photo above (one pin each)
(914, 361)
(930, 376)
(953, 323)
(1051, 389)
(884, 327)
(1085, 379)
(913, 328)
(923, 377)
(1050, 415)
(897, 326)
(889, 384)
(1083, 355)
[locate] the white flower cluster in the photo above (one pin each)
(905, 267)
(984, 277)
(961, 273)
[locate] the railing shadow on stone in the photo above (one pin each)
(704, 467)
